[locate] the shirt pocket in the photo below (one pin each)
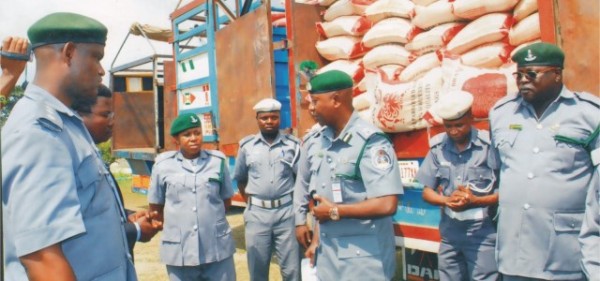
(94, 198)
(564, 251)
(569, 155)
(255, 165)
(504, 141)
(174, 187)
(480, 180)
(284, 162)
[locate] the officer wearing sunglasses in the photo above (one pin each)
(546, 141)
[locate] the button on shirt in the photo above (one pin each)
(269, 169)
(375, 174)
(543, 183)
(195, 229)
(57, 190)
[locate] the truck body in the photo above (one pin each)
(224, 62)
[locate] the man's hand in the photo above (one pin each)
(321, 210)
(12, 68)
(460, 199)
(147, 228)
(311, 252)
(303, 235)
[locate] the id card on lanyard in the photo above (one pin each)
(336, 189)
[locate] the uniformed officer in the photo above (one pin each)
(191, 189)
(543, 137)
(590, 231)
(98, 120)
(459, 175)
(265, 171)
(62, 217)
(356, 179)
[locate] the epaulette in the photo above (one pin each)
(215, 153)
(246, 139)
(310, 134)
(504, 101)
(292, 138)
(366, 132)
(587, 97)
(484, 136)
(437, 139)
(165, 155)
(48, 117)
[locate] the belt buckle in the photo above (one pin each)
(276, 203)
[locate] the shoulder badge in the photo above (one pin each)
(437, 140)
(380, 158)
(292, 138)
(165, 155)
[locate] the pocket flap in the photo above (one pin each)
(568, 222)
(223, 228)
(357, 246)
(172, 235)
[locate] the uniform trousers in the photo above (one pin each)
(268, 230)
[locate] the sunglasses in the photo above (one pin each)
(531, 75)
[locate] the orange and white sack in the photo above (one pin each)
(489, 28)
(400, 107)
(420, 66)
(486, 85)
(526, 30)
(353, 68)
(338, 9)
(524, 8)
(341, 47)
(434, 14)
(344, 25)
(383, 9)
(435, 38)
(389, 73)
(424, 2)
(390, 30)
(326, 3)
(387, 54)
(491, 55)
(363, 100)
(516, 49)
(472, 9)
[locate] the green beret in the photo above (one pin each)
(329, 81)
(66, 27)
(184, 122)
(539, 54)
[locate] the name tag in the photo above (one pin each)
(336, 188)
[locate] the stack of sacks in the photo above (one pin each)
(424, 48)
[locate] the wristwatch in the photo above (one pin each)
(334, 215)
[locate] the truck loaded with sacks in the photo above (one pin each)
(403, 55)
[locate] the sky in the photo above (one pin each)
(17, 15)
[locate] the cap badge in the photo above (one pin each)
(193, 119)
(530, 56)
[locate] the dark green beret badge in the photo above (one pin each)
(184, 122)
(539, 54)
(66, 27)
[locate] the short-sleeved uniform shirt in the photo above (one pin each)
(56, 190)
(195, 229)
(361, 161)
(269, 169)
(445, 166)
(543, 183)
(307, 153)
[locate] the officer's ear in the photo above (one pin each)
(68, 52)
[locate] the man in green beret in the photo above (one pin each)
(62, 219)
(546, 139)
(357, 183)
(190, 189)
